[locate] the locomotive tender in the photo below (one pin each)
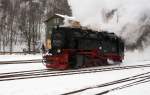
(79, 48)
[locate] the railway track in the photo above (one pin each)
(145, 79)
(20, 61)
(51, 72)
(134, 80)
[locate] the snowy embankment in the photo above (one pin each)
(62, 84)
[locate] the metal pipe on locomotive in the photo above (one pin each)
(79, 48)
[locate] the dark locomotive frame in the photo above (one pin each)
(78, 48)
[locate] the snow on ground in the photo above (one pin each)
(137, 56)
(20, 67)
(61, 84)
(19, 57)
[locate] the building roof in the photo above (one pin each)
(59, 16)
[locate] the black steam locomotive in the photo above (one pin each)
(78, 48)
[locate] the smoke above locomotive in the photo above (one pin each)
(129, 19)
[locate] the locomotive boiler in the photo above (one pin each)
(79, 48)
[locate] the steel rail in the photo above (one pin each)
(20, 61)
(142, 80)
(128, 79)
(48, 73)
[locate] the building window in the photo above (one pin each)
(56, 20)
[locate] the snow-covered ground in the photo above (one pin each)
(19, 57)
(20, 67)
(61, 84)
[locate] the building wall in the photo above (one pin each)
(51, 23)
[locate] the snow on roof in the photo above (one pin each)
(68, 20)
(65, 17)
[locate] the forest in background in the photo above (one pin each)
(21, 22)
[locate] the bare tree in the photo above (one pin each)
(20, 20)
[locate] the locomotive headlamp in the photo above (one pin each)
(58, 51)
(100, 48)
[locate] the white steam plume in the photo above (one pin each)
(129, 19)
